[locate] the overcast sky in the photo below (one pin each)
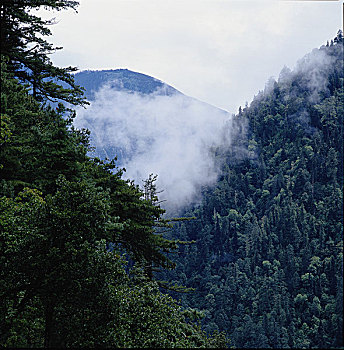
(218, 51)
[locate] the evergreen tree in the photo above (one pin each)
(27, 52)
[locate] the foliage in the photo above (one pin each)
(268, 264)
(27, 51)
(79, 246)
(70, 227)
(61, 285)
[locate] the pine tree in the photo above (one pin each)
(27, 52)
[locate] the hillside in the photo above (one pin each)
(268, 263)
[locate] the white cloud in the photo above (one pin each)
(170, 136)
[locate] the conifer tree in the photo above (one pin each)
(24, 45)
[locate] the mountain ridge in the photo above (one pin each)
(122, 79)
(121, 99)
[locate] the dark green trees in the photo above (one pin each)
(268, 263)
(27, 52)
(69, 224)
(66, 224)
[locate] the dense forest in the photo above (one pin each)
(268, 263)
(89, 259)
(78, 244)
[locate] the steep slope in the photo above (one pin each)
(268, 263)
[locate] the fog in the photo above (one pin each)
(172, 136)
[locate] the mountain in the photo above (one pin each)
(153, 128)
(119, 98)
(267, 266)
(119, 82)
(123, 80)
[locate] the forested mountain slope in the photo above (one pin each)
(268, 263)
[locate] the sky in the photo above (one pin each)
(219, 51)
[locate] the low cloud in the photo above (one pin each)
(171, 136)
(316, 67)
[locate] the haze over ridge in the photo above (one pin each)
(154, 128)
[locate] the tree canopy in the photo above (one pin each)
(268, 263)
